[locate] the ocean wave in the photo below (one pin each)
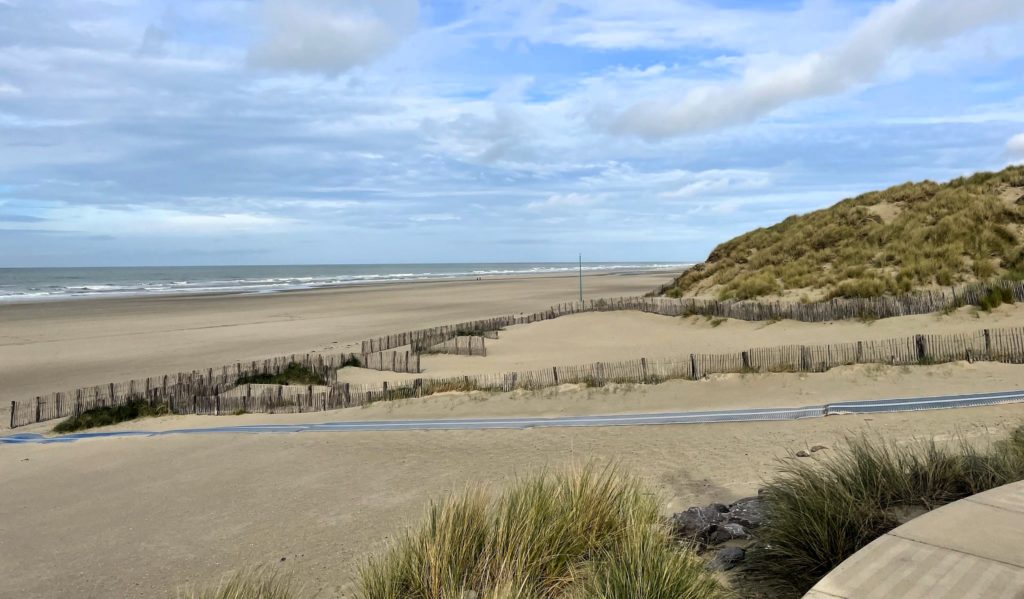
(268, 283)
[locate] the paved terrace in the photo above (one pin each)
(972, 548)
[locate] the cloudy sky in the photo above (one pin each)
(138, 132)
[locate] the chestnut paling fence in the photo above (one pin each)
(215, 392)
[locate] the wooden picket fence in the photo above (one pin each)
(751, 310)
(395, 361)
(207, 396)
(463, 345)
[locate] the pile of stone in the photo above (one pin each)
(725, 530)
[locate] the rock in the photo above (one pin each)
(696, 522)
(803, 454)
(726, 558)
(727, 532)
(748, 512)
(818, 448)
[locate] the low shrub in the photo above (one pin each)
(107, 415)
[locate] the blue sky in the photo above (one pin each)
(355, 131)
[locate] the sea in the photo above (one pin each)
(36, 284)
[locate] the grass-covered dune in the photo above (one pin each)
(906, 237)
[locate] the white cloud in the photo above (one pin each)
(1015, 146)
(563, 201)
(331, 36)
(6, 89)
(715, 181)
(434, 218)
(903, 25)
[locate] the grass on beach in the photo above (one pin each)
(822, 511)
(246, 584)
(105, 416)
(586, 533)
(293, 374)
(884, 242)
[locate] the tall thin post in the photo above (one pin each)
(581, 278)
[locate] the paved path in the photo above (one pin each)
(969, 549)
(857, 407)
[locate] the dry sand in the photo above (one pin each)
(614, 336)
(54, 346)
(137, 517)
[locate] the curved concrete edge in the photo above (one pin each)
(972, 548)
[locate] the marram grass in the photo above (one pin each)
(822, 511)
(884, 242)
(247, 584)
(585, 533)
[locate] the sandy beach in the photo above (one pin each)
(52, 346)
(142, 516)
(139, 517)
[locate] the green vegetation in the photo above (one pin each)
(247, 584)
(293, 374)
(883, 242)
(104, 416)
(822, 511)
(582, 534)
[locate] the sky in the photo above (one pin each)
(143, 132)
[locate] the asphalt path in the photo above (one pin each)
(907, 404)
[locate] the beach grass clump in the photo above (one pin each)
(584, 533)
(879, 243)
(293, 374)
(247, 584)
(107, 415)
(995, 297)
(822, 511)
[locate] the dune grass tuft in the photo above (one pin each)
(105, 416)
(247, 584)
(822, 511)
(293, 374)
(576, 534)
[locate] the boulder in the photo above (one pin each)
(696, 522)
(749, 512)
(727, 532)
(726, 558)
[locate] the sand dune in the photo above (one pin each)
(615, 336)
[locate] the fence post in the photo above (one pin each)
(643, 370)
(919, 344)
(216, 409)
(693, 367)
(346, 397)
(38, 399)
(417, 385)
(13, 406)
(746, 360)
(554, 370)
(860, 352)
(988, 344)
(805, 359)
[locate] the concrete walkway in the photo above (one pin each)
(972, 548)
